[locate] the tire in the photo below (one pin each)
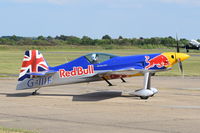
(34, 93)
(144, 97)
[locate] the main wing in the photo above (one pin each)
(112, 74)
(42, 73)
(124, 72)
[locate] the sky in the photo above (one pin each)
(95, 18)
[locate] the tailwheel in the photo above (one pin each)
(35, 92)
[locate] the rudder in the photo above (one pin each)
(33, 62)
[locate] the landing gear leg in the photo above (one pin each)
(109, 84)
(124, 81)
(146, 92)
(147, 84)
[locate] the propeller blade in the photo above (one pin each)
(180, 66)
(177, 44)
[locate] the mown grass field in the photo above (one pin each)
(11, 57)
(13, 130)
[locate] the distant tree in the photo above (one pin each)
(41, 38)
(14, 37)
(184, 41)
(141, 38)
(26, 41)
(102, 41)
(49, 38)
(152, 41)
(106, 37)
(170, 37)
(63, 37)
(4, 41)
(125, 41)
(120, 37)
(133, 41)
(87, 40)
(73, 40)
(168, 41)
(57, 37)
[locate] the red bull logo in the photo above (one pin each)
(77, 71)
(159, 61)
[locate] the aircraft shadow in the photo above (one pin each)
(94, 96)
(97, 96)
(17, 94)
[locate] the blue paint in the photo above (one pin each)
(115, 63)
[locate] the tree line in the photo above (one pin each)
(85, 40)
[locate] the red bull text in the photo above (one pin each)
(159, 61)
(77, 71)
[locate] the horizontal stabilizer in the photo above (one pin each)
(42, 73)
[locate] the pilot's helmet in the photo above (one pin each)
(94, 57)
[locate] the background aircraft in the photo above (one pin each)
(36, 73)
(195, 44)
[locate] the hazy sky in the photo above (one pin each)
(95, 18)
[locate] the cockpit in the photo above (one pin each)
(95, 58)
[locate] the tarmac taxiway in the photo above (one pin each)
(97, 108)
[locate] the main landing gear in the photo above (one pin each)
(124, 81)
(110, 84)
(144, 93)
(147, 91)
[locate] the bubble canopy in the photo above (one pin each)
(95, 58)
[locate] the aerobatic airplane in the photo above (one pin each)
(36, 73)
(195, 44)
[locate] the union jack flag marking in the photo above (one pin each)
(33, 62)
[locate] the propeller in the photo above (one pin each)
(180, 66)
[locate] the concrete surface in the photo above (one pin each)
(97, 108)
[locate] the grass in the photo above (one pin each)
(11, 57)
(13, 130)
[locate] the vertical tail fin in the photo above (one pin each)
(33, 62)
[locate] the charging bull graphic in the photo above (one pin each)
(159, 61)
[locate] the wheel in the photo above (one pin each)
(144, 97)
(34, 93)
(152, 95)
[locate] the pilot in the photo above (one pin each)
(94, 58)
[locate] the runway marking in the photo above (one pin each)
(181, 106)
